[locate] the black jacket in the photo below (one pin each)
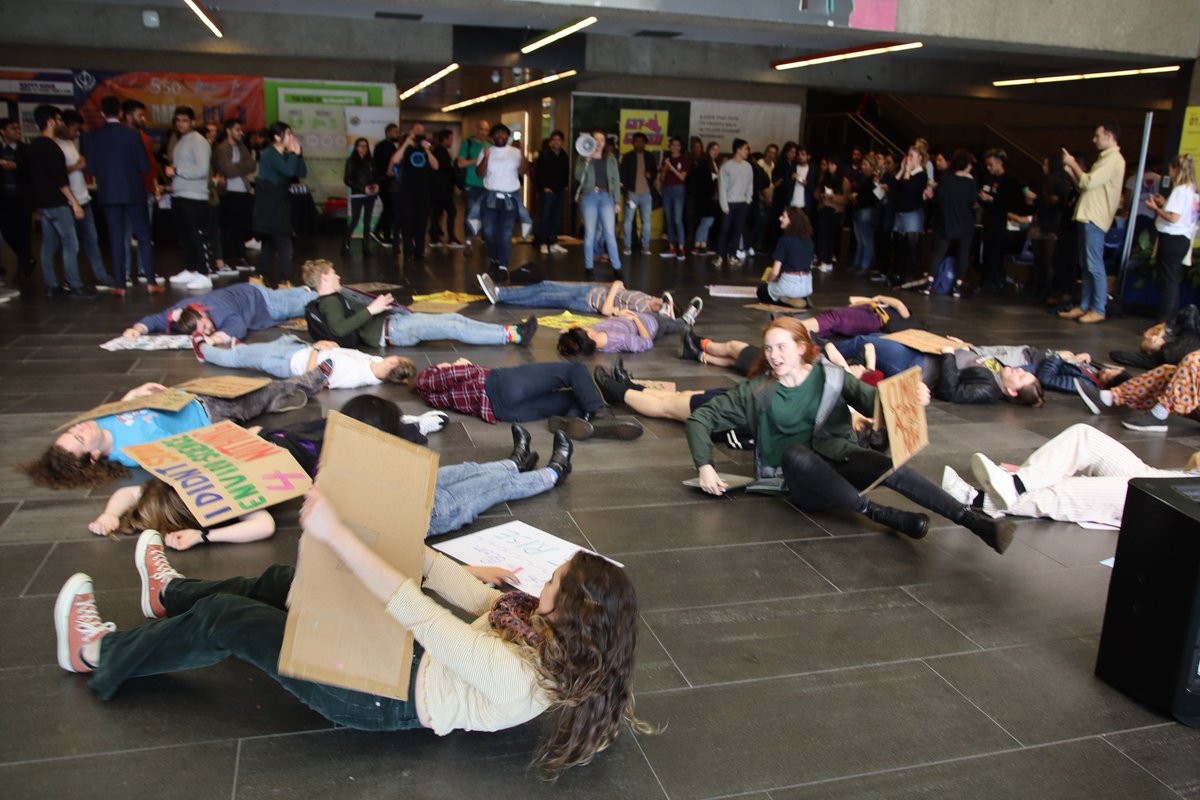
(382, 157)
(552, 171)
(16, 183)
(629, 171)
(970, 385)
(359, 174)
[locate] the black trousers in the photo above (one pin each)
(383, 227)
(960, 248)
(817, 484)
(237, 209)
(442, 202)
(829, 233)
(414, 213)
(1043, 263)
(732, 228)
(547, 389)
(193, 217)
(993, 256)
(275, 258)
(16, 224)
(1171, 252)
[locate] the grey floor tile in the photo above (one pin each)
(789, 636)
(1067, 543)
(1169, 752)
(27, 636)
(18, 564)
(1085, 770)
(50, 520)
(67, 404)
(1044, 692)
(899, 716)
(206, 770)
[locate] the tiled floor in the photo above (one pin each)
(787, 655)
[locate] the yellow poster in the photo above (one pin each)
(1189, 140)
(648, 121)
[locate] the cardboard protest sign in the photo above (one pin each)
(170, 400)
(908, 433)
(222, 471)
(924, 341)
(517, 546)
(337, 632)
(226, 386)
(658, 386)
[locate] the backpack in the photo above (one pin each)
(318, 326)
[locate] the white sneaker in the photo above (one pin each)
(544, 249)
(954, 485)
(427, 423)
(184, 278)
(557, 249)
(526, 227)
(200, 283)
(741, 255)
(668, 305)
(824, 267)
(489, 287)
(694, 308)
(667, 254)
(750, 252)
(996, 481)
(253, 244)
(227, 271)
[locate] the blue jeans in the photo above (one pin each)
(545, 389)
(133, 219)
(464, 491)
(891, 357)
(85, 232)
(645, 204)
(287, 303)
(703, 228)
(1091, 260)
(791, 285)
(406, 330)
(499, 214)
(58, 232)
(599, 212)
(673, 199)
(864, 236)
(550, 294)
(909, 222)
(549, 215)
(470, 200)
(273, 358)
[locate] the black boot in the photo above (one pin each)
(689, 346)
(622, 376)
(526, 330)
(912, 525)
(611, 389)
(574, 427)
(560, 462)
(996, 533)
(607, 426)
(521, 455)
(346, 245)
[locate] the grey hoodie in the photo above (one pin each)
(191, 159)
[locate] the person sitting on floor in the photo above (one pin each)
(582, 298)
(90, 453)
(1081, 475)
(382, 323)
(289, 356)
(233, 310)
(1162, 391)
(1164, 343)
(561, 391)
(791, 274)
(519, 658)
(626, 332)
(798, 410)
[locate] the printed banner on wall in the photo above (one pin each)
(316, 112)
(759, 124)
(214, 98)
(23, 90)
(651, 122)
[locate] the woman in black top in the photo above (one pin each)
(866, 204)
(359, 175)
(954, 226)
(833, 190)
(908, 200)
(1050, 213)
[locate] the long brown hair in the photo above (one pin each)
(800, 335)
(798, 223)
(57, 468)
(160, 508)
(585, 663)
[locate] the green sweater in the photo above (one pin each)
(370, 328)
(746, 404)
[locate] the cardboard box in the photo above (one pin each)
(224, 386)
(337, 632)
(223, 471)
(908, 432)
(170, 400)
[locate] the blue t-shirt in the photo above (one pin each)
(148, 425)
(795, 254)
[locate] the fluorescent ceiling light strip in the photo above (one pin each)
(561, 33)
(212, 26)
(870, 51)
(1086, 76)
(518, 88)
(432, 79)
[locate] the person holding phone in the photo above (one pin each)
(281, 163)
(1175, 221)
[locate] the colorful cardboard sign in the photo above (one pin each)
(651, 122)
(908, 432)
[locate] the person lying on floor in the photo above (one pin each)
(1081, 475)
(627, 331)
(381, 323)
(564, 392)
(90, 452)
(798, 410)
(520, 657)
(790, 278)
(233, 310)
(1164, 343)
(1157, 394)
(968, 374)
(864, 315)
(289, 356)
(582, 298)
(462, 491)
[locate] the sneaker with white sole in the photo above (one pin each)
(77, 622)
(1090, 395)
(201, 283)
(998, 482)
(427, 423)
(557, 249)
(740, 255)
(695, 306)
(156, 571)
(489, 287)
(184, 278)
(253, 244)
(668, 305)
(1145, 422)
(954, 485)
(227, 271)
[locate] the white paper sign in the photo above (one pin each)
(515, 545)
(757, 123)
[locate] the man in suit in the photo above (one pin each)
(117, 159)
(16, 196)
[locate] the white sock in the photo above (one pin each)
(427, 423)
(1106, 397)
(1159, 412)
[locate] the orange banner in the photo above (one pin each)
(214, 98)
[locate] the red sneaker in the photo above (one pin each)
(151, 559)
(77, 622)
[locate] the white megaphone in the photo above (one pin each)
(585, 145)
